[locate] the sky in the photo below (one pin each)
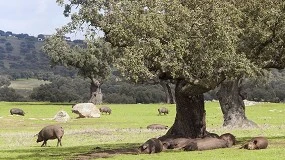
(33, 17)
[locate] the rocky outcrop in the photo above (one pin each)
(86, 110)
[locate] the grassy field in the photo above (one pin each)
(27, 84)
(24, 87)
(112, 135)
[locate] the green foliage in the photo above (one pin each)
(4, 81)
(262, 39)
(202, 42)
(9, 94)
(9, 47)
(62, 89)
(25, 59)
(270, 89)
(195, 41)
(92, 61)
(123, 92)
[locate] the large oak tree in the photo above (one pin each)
(262, 41)
(191, 43)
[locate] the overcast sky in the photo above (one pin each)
(33, 17)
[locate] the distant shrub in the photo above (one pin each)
(10, 95)
(2, 40)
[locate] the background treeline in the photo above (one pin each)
(21, 58)
(67, 89)
(64, 89)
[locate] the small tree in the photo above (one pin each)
(92, 62)
(4, 80)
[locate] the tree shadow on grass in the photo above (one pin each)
(72, 153)
(99, 151)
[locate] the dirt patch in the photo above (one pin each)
(105, 153)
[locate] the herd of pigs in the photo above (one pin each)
(211, 141)
(156, 145)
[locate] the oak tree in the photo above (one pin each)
(261, 41)
(191, 43)
(92, 62)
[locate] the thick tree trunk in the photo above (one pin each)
(96, 95)
(168, 92)
(232, 105)
(190, 112)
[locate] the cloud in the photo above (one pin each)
(31, 16)
(42, 6)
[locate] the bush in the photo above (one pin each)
(62, 89)
(10, 95)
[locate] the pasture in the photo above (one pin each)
(112, 135)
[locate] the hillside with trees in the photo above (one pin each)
(21, 57)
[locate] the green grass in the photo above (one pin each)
(26, 84)
(24, 87)
(126, 128)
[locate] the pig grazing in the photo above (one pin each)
(152, 145)
(105, 109)
(156, 126)
(17, 111)
(256, 143)
(50, 132)
(162, 110)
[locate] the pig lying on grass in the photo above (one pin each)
(152, 145)
(256, 143)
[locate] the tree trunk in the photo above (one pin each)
(168, 92)
(96, 95)
(171, 95)
(232, 105)
(190, 112)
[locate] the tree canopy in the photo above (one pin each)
(190, 40)
(198, 44)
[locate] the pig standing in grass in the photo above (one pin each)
(162, 110)
(50, 132)
(105, 109)
(17, 111)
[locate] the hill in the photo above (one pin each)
(22, 54)
(23, 58)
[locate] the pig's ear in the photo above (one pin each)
(255, 141)
(144, 146)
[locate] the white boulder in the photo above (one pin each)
(86, 110)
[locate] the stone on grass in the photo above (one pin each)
(86, 110)
(61, 116)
